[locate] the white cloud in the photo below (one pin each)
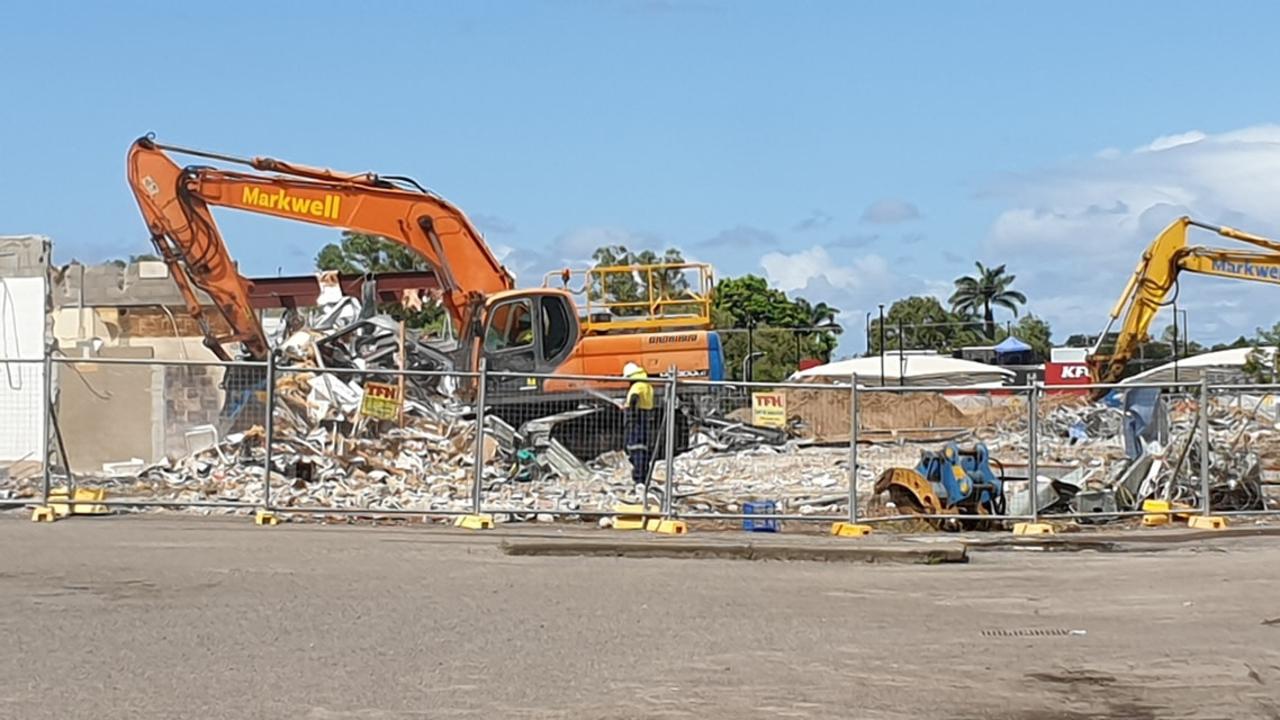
(816, 220)
(580, 243)
(1073, 233)
(493, 224)
(887, 211)
(794, 271)
(854, 285)
(741, 237)
(1166, 142)
(573, 249)
(500, 251)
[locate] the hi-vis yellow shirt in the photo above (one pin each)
(643, 392)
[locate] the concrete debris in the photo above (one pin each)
(736, 433)
(1093, 458)
(328, 456)
(1131, 451)
(1018, 496)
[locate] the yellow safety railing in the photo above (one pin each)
(640, 297)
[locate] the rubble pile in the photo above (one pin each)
(1115, 457)
(329, 453)
(804, 480)
(324, 455)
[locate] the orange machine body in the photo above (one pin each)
(477, 291)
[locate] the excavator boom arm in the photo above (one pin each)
(1157, 274)
(175, 202)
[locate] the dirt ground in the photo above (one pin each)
(141, 617)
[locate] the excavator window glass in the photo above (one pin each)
(557, 328)
(510, 326)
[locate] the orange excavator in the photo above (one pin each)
(1156, 276)
(536, 331)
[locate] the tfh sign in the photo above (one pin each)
(380, 401)
(769, 409)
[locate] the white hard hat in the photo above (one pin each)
(631, 369)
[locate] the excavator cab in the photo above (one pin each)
(527, 331)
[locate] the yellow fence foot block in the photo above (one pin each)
(474, 522)
(81, 501)
(630, 517)
(1158, 513)
(667, 527)
(43, 513)
(1027, 528)
(1156, 506)
(266, 517)
(1207, 522)
(84, 502)
(846, 529)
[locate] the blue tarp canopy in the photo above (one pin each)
(1011, 345)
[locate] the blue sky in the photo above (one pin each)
(852, 152)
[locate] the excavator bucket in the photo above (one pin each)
(909, 491)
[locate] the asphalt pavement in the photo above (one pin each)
(181, 617)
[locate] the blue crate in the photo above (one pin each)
(762, 507)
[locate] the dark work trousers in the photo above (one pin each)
(640, 444)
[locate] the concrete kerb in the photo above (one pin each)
(927, 548)
(1121, 540)
(934, 554)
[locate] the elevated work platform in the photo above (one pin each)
(640, 298)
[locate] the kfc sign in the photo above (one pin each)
(1066, 374)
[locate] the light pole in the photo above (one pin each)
(902, 355)
(881, 344)
(1186, 337)
(747, 365)
(1175, 338)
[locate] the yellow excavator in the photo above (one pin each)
(1157, 275)
(956, 481)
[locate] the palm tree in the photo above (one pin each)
(822, 315)
(820, 318)
(990, 287)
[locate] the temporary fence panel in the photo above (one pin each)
(1243, 448)
(773, 448)
(899, 425)
(1176, 445)
(22, 340)
(564, 446)
(160, 432)
(371, 441)
(22, 425)
(374, 442)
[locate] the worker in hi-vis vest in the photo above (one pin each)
(638, 422)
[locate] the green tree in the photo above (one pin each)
(990, 287)
(820, 322)
(633, 286)
(751, 315)
(1186, 346)
(1239, 342)
(925, 325)
(1036, 333)
(360, 253)
(1079, 340)
(1260, 364)
(750, 301)
(816, 316)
